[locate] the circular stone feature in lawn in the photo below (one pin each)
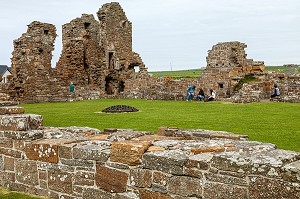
(120, 109)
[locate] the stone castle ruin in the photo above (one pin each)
(97, 57)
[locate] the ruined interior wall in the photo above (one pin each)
(31, 61)
(81, 162)
(115, 36)
(80, 60)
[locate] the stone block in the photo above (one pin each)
(77, 163)
(169, 161)
(26, 172)
(291, 172)
(6, 143)
(141, 178)
(43, 175)
(42, 152)
(1, 162)
(217, 190)
(128, 152)
(148, 194)
(7, 110)
(60, 181)
(9, 164)
(90, 193)
(11, 152)
(200, 161)
(208, 149)
(24, 135)
(8, 103)
(225, 179)
(160, 178)
(6, 178)
(66, 151)
(22, 122)
(92, 150)
(82, 178)
(185, 186)
(111, 180)
(266, 188)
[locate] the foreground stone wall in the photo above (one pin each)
(81, 162)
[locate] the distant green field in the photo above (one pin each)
(194, 73)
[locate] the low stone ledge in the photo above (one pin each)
(199, 134)
(24, 135)
(6, 110)
(8, 103)
(23, 122)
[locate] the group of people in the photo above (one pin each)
(201, 95)
(212, 96)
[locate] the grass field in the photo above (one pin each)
(6, 194)
(194, 73)
(277, 123)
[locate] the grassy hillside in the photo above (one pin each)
(194, 73)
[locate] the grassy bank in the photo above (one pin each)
(278, 123)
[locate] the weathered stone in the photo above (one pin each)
(155, 148)
(77, 163)
(91, 193)
(92, 150)
(185, 186)
(6, 110)
(6, 178)
(129, 195)
(11, 152)
(6, 143)
(42, 152)
(201, 161)
(84, 178)
(292, 172)
(260, 187)
(26, 172)
(9, 164)
(140, 178)
(20, 122)
(111, 180)
(60, 181)
(160, 178)
(225, 179)
(217, 190)
(128, 152)
(147, 194)
(66, 151)
(118, 165)
(208, 149)
(126, 134)
(8, 103)
(167, 161)
(1, 163)
(24, 135)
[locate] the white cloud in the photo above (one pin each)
(175, 31)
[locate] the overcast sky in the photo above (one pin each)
(173, 34)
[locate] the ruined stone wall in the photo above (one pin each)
(80, 60)
(97, 57)
(81, 162)
(31, 61)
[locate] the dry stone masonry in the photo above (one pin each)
(97, 57)
(86, 163)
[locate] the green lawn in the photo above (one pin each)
(6, 194)
(277, 123)
(193, 73)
